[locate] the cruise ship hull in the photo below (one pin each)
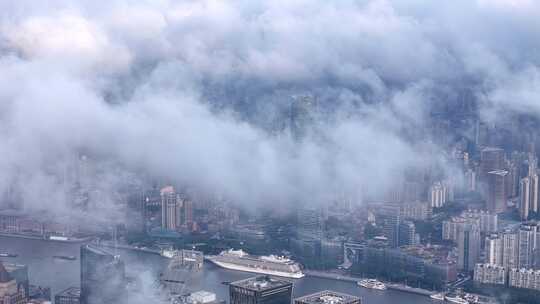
(295, 275)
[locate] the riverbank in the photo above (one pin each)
(43, 238)
(129, 247)
(348, 278)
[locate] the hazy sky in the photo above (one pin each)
(188, 91)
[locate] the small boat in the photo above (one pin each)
(226, 283)
(372, 284)
(456, 299)
(8, 255)
(437, 296)
(65, 257)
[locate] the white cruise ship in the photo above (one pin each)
(271, 265)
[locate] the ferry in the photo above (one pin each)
(65, 257)
(8, 255)
(372, 284)
(270, 265)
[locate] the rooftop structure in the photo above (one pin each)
(70, 295)
(328, 297)
(261, 283)
(260, 290)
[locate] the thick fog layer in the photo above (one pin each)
(258, 101)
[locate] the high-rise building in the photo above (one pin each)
(391, 228)
(468, 246)
(415, 210)
(72, 295)
(310, 223)
(524, 197)
(534, 183)
(450, 228)
(487, 221)
(491, 159)
(10, 293)
(170, 209)
(494, 250)
(328, 297)
(187, 207)
(470, 180)
(496, 191)
(526, 241)
(510, 250)
(260, 290)
(438, 194)
(102, 277)
(512, 179)
(407, 233)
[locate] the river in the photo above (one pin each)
(44, 270)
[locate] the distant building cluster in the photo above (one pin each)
(419, 264)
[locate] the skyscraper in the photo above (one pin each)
(528, 190)
(491, 159)
(510, 250)
(496, 191)
(407, 233)
(524, 197)
(310, 223)
(170, 209)
(526, 239)
(187, 207)
(468, 246)
(494, 250)
(102, 277)
(260, 290)
(438, 194)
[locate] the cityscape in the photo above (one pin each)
(269, 152)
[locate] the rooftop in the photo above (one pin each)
(261, 283)
(70, 292)
(327, 297)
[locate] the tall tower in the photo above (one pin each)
(496, 196)
(510, 250)
(524, 197)
(468, 246)
(491, 159)
(170, 208)
(494, 250)
(187, 206)
(526, 239)
(310, 223)
(102, 277)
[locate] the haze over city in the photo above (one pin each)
(335, 135)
